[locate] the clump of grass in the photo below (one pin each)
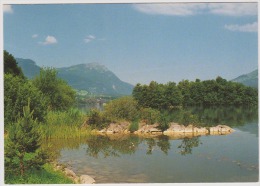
(47, 175)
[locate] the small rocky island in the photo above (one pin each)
(174, 129)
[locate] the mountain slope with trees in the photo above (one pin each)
(250, 79)
(92, 77)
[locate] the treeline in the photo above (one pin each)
(218, 92)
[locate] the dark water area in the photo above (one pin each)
(164, 159)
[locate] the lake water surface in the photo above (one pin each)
(163, 159)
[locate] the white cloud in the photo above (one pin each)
(34, 36)
(49, 40)
(175, 9)
(253, 27)
(187, 9)
(8, 9)
(233, 9)
(89, 38)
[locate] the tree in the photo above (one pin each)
(59, 95)
(22, 150)
(10, 65)
(17, 91)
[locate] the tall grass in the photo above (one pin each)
(64, 124)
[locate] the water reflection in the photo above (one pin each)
(188, 144)
(106, 146)
(231, 116)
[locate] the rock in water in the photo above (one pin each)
(70, 173)
(86, 179)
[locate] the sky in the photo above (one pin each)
(138, 42)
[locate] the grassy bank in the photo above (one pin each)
(47, 175)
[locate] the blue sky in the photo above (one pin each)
(138, 42)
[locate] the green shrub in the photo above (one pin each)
(124, 108)
(163, 122)
(97, 119)
(134, 126)
(150, 115)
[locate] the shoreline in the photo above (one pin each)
(174, 130)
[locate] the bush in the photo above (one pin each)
(163, 122)
(124, 108)
(134, 126)
(97, 119)
(150, 115)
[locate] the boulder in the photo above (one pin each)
(86, 179)
(70, 173)
(201, 130)
(174, 127)
(223, 129)
(213, 130)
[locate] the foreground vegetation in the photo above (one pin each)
(35, 110)
(46, 175)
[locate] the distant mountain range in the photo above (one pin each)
(250, 79)
(92, 77)
(97, 79)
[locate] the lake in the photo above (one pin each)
(162, 159)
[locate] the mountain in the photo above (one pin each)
(92, 77)
(29, 67)
(250, 79)
(95, 78)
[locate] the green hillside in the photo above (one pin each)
(250, 79)
(92, 77)
(29, 67)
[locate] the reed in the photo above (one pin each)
(64, 124)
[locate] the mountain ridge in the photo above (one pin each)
(250, 79)
(92, 77)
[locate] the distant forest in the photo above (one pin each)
(199, 93)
